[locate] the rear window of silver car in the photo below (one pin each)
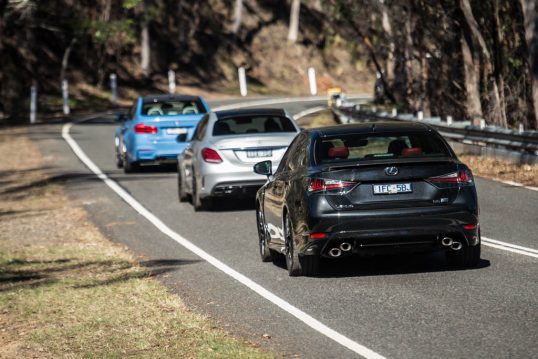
(252, 125)
(172, 108)
(355, 147)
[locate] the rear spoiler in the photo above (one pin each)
(393, 161)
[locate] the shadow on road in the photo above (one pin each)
(385, 265)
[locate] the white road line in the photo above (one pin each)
(310, 111)
(510, 247)
(515, 184)
(281, 303)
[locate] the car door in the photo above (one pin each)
(189, 155)
(275, 194)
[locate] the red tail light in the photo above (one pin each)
(461, 177)
(319, 235)
(469, 227)
(143, 128)
(211, 156)
(322, 184)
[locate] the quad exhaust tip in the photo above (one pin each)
(447, 241)
(345, 247)
(335, 252)
(456, 246)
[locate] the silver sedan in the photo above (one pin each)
(225, 146)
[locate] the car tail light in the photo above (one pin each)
(143, 128)
(319, 235)
(462, 177)
(323, 184)
(469, 227)
(211, 156)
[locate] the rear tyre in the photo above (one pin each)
(129, 167)
(119, 160)
(198, 203)
(265, 252)
(182, 192)
(467, 257)
(292, 260)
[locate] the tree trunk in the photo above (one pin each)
(238, 12)
(496, 113)
(530, 15)
(145, 52)
(294, 21)
(387, 28)
(473, 106)
(65, 58)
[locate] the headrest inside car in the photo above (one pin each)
(412, 151)
(338, 152)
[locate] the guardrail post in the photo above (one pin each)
(114, 89)
(420, 115)
(33, 104)
(242, 81)
(394, 112)
(312, 81)
(449, 120)
(171, 81)
(65, 97)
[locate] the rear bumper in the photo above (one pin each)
(392, 233)
(225, 180)
(145, 151)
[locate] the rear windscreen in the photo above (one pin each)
(354, 147)
(172, 107)
(252, 124)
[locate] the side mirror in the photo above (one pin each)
(264, 168)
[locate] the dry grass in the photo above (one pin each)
(502, 170)
(66, 291)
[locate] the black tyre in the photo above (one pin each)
(119, 160)
(467, 257)
(181, 191)
(265, 252)
(129, 167)
(198, 203)
(292, 260)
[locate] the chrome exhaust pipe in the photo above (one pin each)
(345, 247)
(456, 246)
(447, 241)
(335, 252)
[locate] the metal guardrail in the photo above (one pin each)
(525, 142)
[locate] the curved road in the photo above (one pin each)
(408, 307)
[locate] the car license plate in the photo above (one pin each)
(392, 188)
(259, 153)
(176, 131)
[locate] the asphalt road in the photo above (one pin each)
(400, 307)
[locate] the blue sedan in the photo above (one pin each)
(157, 129)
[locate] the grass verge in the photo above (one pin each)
(66, 291)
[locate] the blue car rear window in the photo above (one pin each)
(172, 108)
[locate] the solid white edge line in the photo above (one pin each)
(515, 184)
(281, 303)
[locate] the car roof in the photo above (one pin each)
(371, 127)
(164, 97)
(251, 112)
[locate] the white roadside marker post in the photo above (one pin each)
(33, 104)
(394, 112)
(65, 96)
(171, 81)
(114, 89)
(420, 115)
(449, 120)
(482, 123)
(521, 128)
(312, 81)
(242, 81)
